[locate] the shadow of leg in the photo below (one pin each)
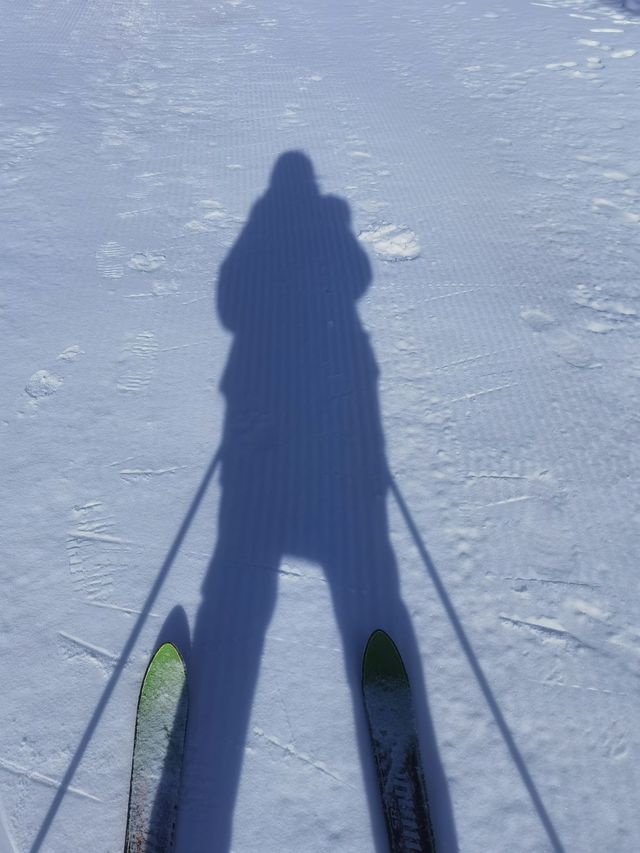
(237, 605)
(366, 595)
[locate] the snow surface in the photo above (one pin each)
(460, 283)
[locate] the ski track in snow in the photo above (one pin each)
(289, 750)
(548, 629)
(74, 648)
(132, 474)
(129, 610)
(43, 779)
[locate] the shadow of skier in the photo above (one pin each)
(304, 473)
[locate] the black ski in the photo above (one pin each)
(389, 708)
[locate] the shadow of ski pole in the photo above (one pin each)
(518, 760)
(124, 656)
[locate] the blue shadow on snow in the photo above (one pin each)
(303, 474)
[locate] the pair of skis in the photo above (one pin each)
(160, 734)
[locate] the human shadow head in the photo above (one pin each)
(293, 175)
(294, 168)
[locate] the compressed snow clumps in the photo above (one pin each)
(392, 242)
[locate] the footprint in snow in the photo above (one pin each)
(610, 311)
(213, 216)
(564, 344)
(42, 384)
(146, 261)
(71, 353)
(138, 356)
(109, 258)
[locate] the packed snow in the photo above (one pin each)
(317, 318)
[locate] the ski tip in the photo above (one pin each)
(382, 661)
(167, 653)
(165, 668)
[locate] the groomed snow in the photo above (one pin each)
(419, 339)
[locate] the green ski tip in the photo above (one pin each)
(166, 672)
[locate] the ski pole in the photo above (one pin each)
(124, 655)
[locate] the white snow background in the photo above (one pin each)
(488, 152)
